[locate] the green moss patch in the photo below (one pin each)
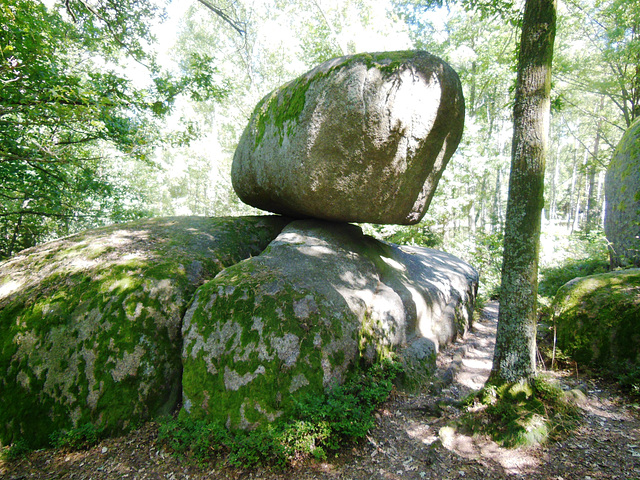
(598, 319)
(524, 413)
(253, 343)
(282, 107)
(90, 325)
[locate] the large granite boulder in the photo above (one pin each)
(361, 138)
(598, 319)
(90, 325)
(295, 319)
(622, 193)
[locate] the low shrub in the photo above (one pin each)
(319, 425)
(552, 278)
(79, 438)
(629, 379)
(16, 451)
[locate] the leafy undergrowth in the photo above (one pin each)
(522, 413)
(629, 380)
(80, 438)
(17, 450)
(321, 424)
(552, 278)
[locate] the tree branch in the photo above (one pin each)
(93, 11)
(235, 24)
(46, 214)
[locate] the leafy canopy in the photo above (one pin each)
(68, 113)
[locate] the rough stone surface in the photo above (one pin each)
(90, 324)
(361, 138)
(598, 319)
(295, 319)
(622, 192)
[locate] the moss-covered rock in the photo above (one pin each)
(598, 319)
(90, 325)
(319, 299)
(360, 138)
(622, 207)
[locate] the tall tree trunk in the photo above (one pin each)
(591, 199)
(553, 196)
(591, 195)
(582, 181)
(572, 189)
(496, 218)
(515, 351)
(481, 214)
(600, 196)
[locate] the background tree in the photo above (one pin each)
(69, 115)
(279, 42)
(608, 62)
(515, 352)
(595, 70)
(248, 48)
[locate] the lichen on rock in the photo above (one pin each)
(296, 319)
(90, 325)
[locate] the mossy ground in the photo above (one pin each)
(523, 413)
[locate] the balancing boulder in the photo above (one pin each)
(362, 138)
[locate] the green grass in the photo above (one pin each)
(552, 278)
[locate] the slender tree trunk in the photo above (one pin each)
(581, 182)
(472, 96)
(591, 195)
(496, 219)
(574, 176)
(481, 214)
(14, 236)
(601, 178)
(591, 199)
(471, 220)
(515, 351)
(553, 195)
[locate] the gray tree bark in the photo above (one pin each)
(515, 351)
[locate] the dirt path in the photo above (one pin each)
(411, 441)
(605, 446)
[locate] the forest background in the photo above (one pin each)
(115, 110)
